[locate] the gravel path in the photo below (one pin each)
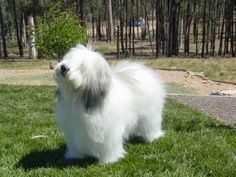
(223, 108)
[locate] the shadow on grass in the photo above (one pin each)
(219, 126)
(51, 159)
(136, 140)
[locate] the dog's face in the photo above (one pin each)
(85, 72)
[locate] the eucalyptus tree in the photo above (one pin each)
(24, 12)
(31, 9)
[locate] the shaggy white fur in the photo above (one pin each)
(99, 107)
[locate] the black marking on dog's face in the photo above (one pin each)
(93, 98)
(97, 88)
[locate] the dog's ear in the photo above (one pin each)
(97, 84)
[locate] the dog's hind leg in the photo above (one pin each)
(72, 151)
(113, 151)
(149, 129)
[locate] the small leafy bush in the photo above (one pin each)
(58, 31)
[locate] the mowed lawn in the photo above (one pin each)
(30, 144)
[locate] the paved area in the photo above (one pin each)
(223, 108)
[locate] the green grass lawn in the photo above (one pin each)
(24, 64)
(194, 144)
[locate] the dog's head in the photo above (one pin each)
(85, 73)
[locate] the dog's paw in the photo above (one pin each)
(153, 136)
(112, 159)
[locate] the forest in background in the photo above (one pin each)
(197, 28)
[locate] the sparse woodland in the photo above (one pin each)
(155, 28)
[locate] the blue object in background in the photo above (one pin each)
(137, 23)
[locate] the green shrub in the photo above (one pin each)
(58, 31)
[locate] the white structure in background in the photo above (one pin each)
(31, 40)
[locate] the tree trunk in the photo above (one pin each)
(110, 34)
(80, 11)
(93, 27)
(121, 29)
(98, 27)
(31, 40)
(204, 30)
(133, 31)
(157, 29)
(187, 30)
(20, 45)
(153, 32)
(234, 30)
(227, 28)
(3, 34)
(213, 31)
(118, 41)
(23, 28)
(162, 24)
(172, 30)
(176, 38)
(222, 33)
(126, 28)
(181, 29)
(207, 36)
(232, 27)
(219, 8)
(213, 37)
(137, 10)
(195, 30)
(147, 23)
(130, 32)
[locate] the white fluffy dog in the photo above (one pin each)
(99, 107)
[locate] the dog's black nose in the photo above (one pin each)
(64, 69)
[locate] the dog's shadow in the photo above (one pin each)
(135, 140)
(51, 159)
(54, 158)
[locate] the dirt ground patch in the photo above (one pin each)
(184, 82)
(26, 77)
(196, 82)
